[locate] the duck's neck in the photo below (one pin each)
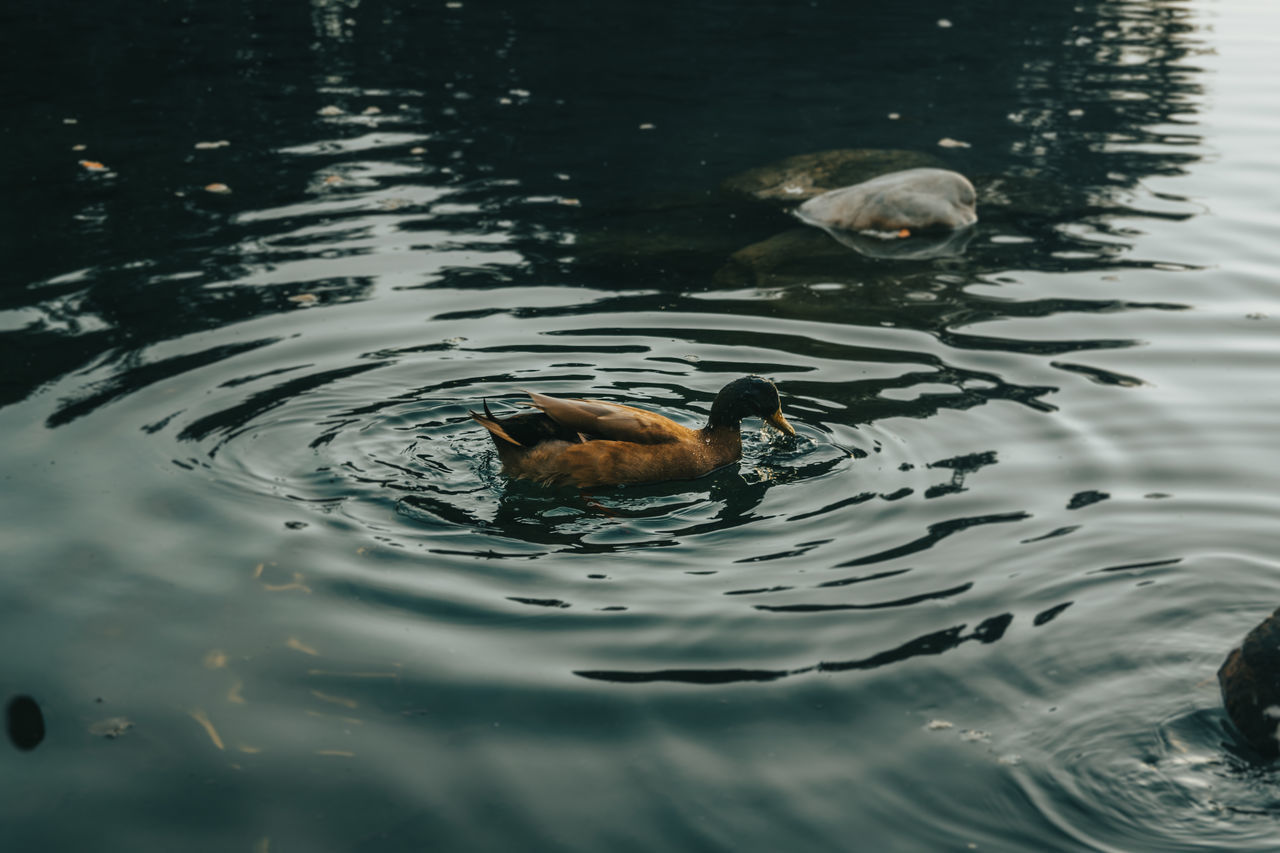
(723, 432)
(721, 421)
(724, 439)
(722, 417)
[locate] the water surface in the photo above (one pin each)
(270, 590)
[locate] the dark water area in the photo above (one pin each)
(266, 589)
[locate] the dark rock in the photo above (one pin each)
(1250, 682)
(696, 232)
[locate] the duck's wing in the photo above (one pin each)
(596, 419)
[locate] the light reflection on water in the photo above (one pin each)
(979, 600)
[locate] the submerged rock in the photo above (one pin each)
(911, 200)
(743, 234)
(1250, 682)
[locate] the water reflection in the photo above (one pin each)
(935, 643)
(432, 205)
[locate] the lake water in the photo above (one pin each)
(265, 580)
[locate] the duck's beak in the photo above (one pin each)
(777, 420)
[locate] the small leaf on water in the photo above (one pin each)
(111, 728)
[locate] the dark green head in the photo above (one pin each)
(748, 397)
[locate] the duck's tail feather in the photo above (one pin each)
(489, 422)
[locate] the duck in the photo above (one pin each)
(1250, 682)
(592, 443)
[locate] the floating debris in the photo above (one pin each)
(948, 142)
(331, 110)
(336, 700)
(205, 723)
(111, 728)
(418, 150)
(93, 166)
(372, 111)
(215, 659)
(207, 146)
(24, 721)
(570, 202)
(304, 298)
(944, 23)
(217, 188)
(453, 5)
(648, 126)
(519, 93)
(333, 179)
(894, 116)
(296, 583)
(335, 674)
(297, 645)
(1076, 113)
(938, 725)
(80, 147)
(910, 200)
(70, 121)
(561, 176)
(975, 736)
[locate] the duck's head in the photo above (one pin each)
(748, 397)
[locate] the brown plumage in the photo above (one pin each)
(594, 443)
